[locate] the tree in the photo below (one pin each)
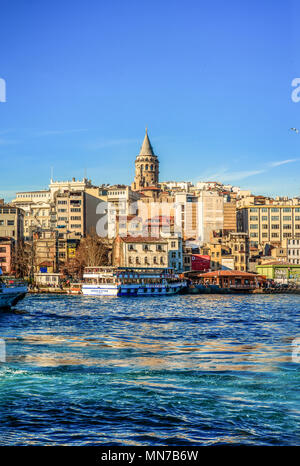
(22, 259)
(92, 251)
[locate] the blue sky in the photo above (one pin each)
(210, 80)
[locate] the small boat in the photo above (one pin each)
(11, 293)
(75, 288)
(125, 281)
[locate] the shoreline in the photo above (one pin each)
(208, 291)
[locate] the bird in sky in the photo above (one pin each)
(295, 129)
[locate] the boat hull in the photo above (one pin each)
(132, 290)
(100, 290)
(10, 296)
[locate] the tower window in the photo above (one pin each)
(146, 167)
(151, 167)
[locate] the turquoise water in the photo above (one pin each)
(181, 370)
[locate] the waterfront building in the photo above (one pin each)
(46, 279)
(147, 252)
(281, 272)
(146, 167)
(234, 280)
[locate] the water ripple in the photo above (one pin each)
(182, 370)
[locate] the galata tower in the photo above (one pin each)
(146, 167)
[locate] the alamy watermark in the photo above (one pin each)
(2, 350)
(296, 350)
(296, 92)
(2, 90)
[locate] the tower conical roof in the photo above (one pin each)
(146, 148)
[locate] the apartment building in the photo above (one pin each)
(45, 247)
(6, 253)
(237, 244)
(210, 214)
(186, 216)
(76, 213)
(147, 252)
(229, 210)
(11, 221)
(293, 251)
(40, 206)
(269, 223)
(121, 209)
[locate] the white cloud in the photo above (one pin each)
(282, 162)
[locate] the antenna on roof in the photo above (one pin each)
(51, 179)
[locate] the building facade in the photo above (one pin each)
(11, 221)
(6, 253)
(147, 252)
(269, 223)
(293, 251)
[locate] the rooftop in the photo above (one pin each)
(146, 148)
(142, 239)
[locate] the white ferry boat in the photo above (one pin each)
(123, 281)
(11, 293)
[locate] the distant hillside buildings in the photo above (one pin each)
(152, 222)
